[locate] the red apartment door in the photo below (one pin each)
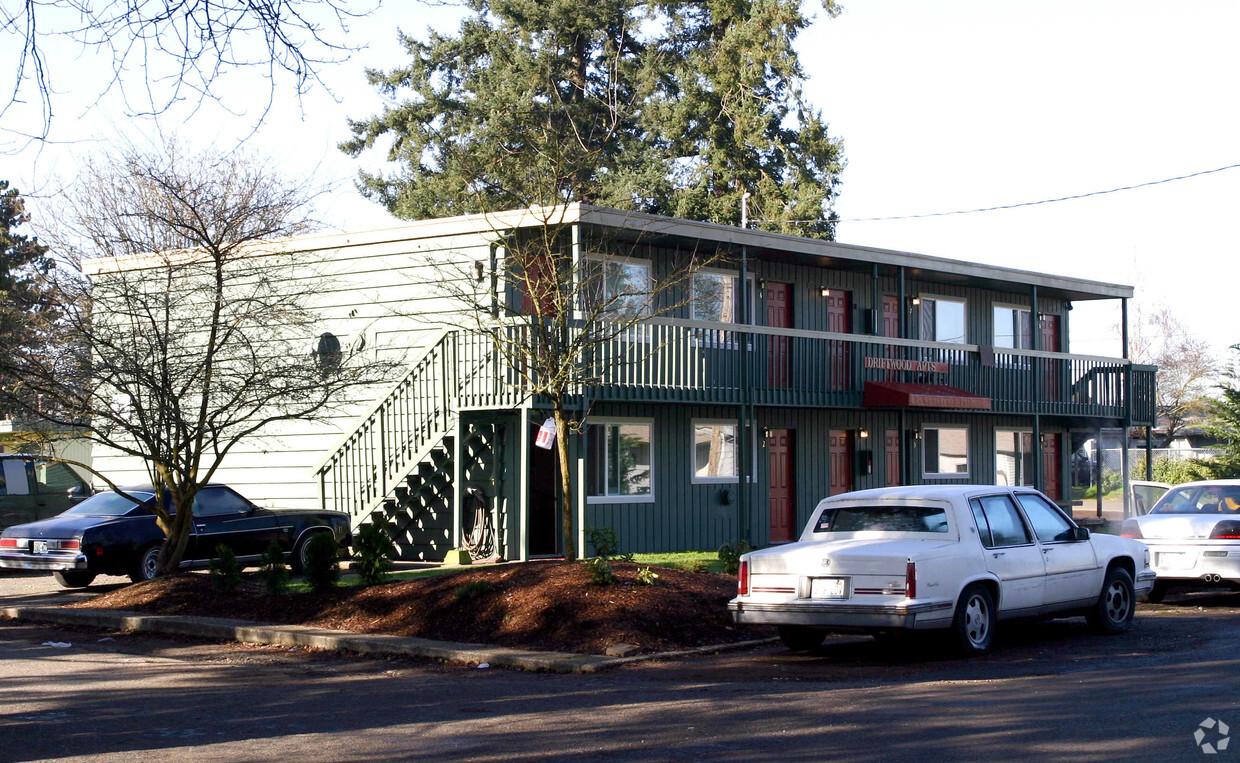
(891, 448)
(891, 316)
(1050, 343)
(779, 315)
(839, 320)
(1050, 466)
(782, 506)
(839, 461)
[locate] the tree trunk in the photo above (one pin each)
(566, 484)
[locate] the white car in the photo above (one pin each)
(959, 557)
(1193, 531)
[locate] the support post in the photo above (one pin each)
(458, 484)
(744, 427)
(523, 485)
(903, 305)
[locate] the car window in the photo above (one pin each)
(906, 519)
(55, 477)
(1048, 524)
(109, 504)
(1209, 499)
(998, 521)
(213, 501)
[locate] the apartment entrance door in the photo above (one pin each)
(543, 528)
(839, 461)
(779, 315)
(783, 512)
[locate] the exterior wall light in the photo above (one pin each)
(863, 433)
(916, 301)
(824, 291)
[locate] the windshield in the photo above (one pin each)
(900, 519)
(1200, 499)
(109, 504)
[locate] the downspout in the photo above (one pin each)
(1124, 471)
(1040, 366)
(745, 425)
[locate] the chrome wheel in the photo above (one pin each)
(974, 621)
(147, 567)
(1116, 603)
(977, 621)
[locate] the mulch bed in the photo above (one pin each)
(547, 605)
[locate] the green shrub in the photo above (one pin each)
(273, 572)
(698, 565)
(471, 590)
(604, 541)
(225, 572)
(730, 555)
(322, 565)
(1173, 471)
(600, 571)
(646, 576)
(372, 554)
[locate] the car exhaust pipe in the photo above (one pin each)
(1209, 578)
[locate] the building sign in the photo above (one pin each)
(897, 364)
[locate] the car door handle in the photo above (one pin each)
(202, 527)
(1047, 550)
(998, 554)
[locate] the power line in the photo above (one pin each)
(1020, 204)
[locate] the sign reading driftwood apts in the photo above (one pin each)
(899, 364)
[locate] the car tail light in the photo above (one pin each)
(8, 542)
(910, 579)
(71, 544)
(1228, 528)
(1130, 529)
(742, 579)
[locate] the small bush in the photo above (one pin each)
(730, 555)
(698, 565)
(474, 589)
(647, 576)
(1173, 471)
(273, 572)
(322, 565)
(225, 572)
(601, 572)
(372, 554)
(604, 541)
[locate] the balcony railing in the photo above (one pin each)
(668, 360)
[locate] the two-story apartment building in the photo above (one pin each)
(792, 369)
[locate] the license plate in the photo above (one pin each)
(38, 547)
(1173, 560)
(828, 588)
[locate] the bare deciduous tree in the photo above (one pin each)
(182, 47)
(197, 324)
(1187, 369)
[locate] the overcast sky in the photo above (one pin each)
(943, 107)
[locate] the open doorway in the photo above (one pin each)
(544, 537)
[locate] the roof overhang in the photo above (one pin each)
(909, 395)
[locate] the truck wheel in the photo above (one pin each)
(147, 566)
(801, 638)
(974, 623)
(74, 578)
(1116, 604)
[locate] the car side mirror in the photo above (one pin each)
(75, 491)
(1080, 533)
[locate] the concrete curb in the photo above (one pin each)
(361, 643)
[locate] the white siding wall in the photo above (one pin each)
(376, 289)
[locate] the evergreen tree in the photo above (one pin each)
(1224, 425)
(673, 107)
(26, 279)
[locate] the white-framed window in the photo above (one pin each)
(619, 454)
(715, 455)
(945, 451)
(1013, 327)
(1013, 457)
(617, 286)
(942, 319)
(715, 296)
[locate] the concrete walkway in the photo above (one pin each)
(360, 643)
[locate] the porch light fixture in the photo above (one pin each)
(762, 285)
(863, 433)
(916, 301)
(479, 267)
(824, 291)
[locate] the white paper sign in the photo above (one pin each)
(546, 435)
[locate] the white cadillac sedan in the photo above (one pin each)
(1193, 531)
(958, 557)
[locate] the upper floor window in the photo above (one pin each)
(617, 287)
(942, 320)
(716, 296)
(1013, 328)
